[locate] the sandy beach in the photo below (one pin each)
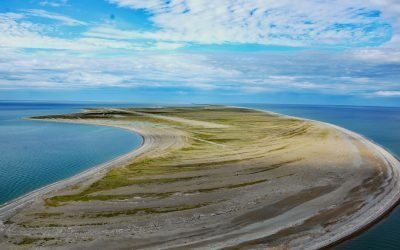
(209, 178)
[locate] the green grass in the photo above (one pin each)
(246, 127)
(47, 215)
(144, 211)
(207, 190)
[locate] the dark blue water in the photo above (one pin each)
(35, 153)
(382, 125)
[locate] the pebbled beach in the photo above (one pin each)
(211, 177)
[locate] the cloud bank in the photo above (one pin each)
(339, 47)
(269, 22)
(246, 72)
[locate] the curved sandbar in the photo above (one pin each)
(215, 177)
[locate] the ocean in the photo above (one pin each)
(381, 125)
(36, 153)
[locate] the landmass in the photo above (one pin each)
(211, 177)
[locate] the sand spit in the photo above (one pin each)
(211, 177)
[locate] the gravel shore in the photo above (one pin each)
(306, 185)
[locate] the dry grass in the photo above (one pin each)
(249, 135)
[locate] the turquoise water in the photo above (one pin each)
(382, 125)
(34, 153)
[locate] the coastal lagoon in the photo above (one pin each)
(36, 153)
(380, 124)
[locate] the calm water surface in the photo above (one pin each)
(382, 125)
(34, 153)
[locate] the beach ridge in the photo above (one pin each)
(156, 142)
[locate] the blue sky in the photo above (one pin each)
(199, 51)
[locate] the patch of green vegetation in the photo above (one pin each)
(27, 241)
(8, 222)
(273, 166)
(223, 140)
(47, 215)
(297, 131)
(324, 133)
(74, 187)
(30, 241)
(62, 225)
(206, 190)
(59, 200)
(145, 211)
(286, 175)
(188, 149)
(86, 195)
(163, 180)
(278, 149)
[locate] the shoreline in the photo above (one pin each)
(11, 207)
(374, 219)
(351, 229)
(382, 210)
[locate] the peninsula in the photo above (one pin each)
(210, 177)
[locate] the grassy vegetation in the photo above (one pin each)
(29, 240)
(60, 200)
(239, 185)
(273, 166)
(247, 131)
(144, 211)
(46, 215)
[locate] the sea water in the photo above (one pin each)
(36, 153)
(381, 125)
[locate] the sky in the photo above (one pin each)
(335, 52)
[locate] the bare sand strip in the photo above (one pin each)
(374, 214)
(379, 210)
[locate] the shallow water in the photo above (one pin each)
(36, 153)
(382, 125)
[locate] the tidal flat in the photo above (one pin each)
(212, 177)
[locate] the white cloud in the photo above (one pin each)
(106, 56)
(182, 22)
(54, 16)
(140, 70)
(260, 21)
(227, 72)
(168, 46)
(377, 55)
(387, 93)
(54, 3)
(16, 32)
